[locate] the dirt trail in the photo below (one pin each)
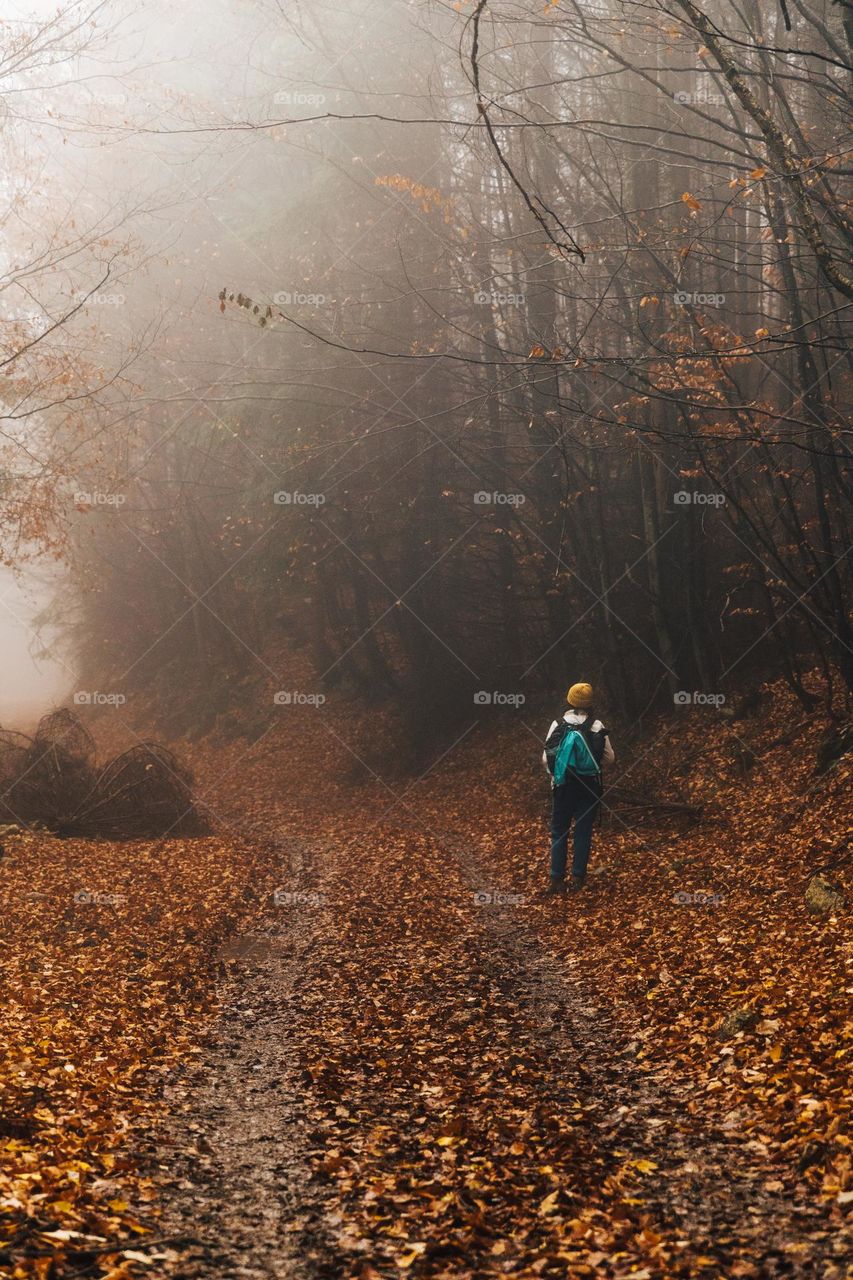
(239, 1158)
(404, 1081)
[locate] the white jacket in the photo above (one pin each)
(580, 717)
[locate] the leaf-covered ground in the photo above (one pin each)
(108, 957)
(422, 1070)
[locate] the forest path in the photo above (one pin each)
(405, 1081)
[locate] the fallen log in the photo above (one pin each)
(53, 780)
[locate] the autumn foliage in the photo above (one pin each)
(476, 1064)
(107, 961)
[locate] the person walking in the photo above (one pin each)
(575, 749)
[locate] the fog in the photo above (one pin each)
(448, 345)
(33, 680)
(426, 507)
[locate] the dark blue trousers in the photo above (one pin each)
(577, 802)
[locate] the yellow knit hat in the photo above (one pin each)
(580, 696)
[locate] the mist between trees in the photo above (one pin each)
(468, 347)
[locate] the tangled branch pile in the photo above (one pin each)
(53, 779)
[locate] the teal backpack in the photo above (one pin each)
(573, 755)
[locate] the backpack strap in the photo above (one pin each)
(553, 743)
(597, 739)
